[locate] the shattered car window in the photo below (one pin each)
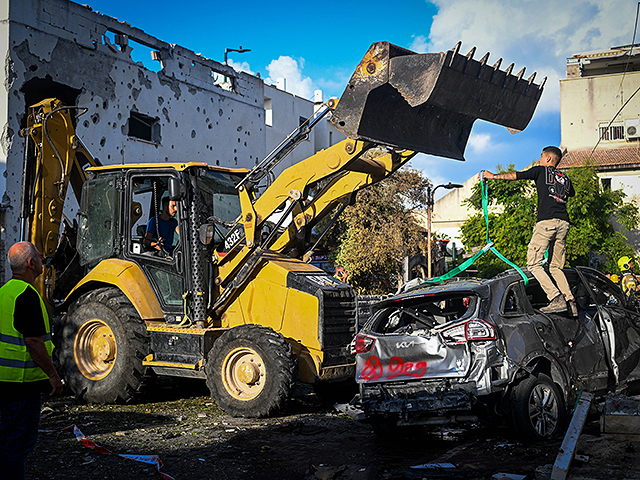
(424, 313)
(605, 294)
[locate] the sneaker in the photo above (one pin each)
(573, 308)
(557, 305)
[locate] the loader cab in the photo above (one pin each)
(153, 240)
(122, 208)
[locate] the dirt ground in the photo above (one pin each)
(195, 440)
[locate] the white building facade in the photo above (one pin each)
(600, 118)
(190, 109)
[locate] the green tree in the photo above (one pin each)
(380, 229)
(513, 204)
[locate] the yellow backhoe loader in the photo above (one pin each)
(232, 299)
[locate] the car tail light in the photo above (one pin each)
(469, 331)
(364, 343)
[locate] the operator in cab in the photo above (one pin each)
(161, 228)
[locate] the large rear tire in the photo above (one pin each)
(250, 371)
(537, 408)
(102, 343)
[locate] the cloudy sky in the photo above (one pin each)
(316, 45)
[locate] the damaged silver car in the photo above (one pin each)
(472, 347)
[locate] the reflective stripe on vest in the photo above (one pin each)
(16, 363)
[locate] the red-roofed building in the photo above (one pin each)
(600, 118)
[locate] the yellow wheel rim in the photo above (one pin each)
(243, 373)
(95, 349)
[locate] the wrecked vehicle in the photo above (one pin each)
(456, 351)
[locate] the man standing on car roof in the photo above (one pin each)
(554, 189)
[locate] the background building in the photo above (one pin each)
(180, 107)
(600, 118)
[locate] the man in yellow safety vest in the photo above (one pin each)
(26, 369)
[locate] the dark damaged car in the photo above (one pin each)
(452, 352)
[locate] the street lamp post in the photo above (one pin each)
(430, 193)
(240, 50)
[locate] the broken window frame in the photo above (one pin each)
(138, 121)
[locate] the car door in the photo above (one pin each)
(619, 325)
(165, 272)
(576, 342)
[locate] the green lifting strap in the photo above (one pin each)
(460, 268)
(485, 210)
(489, 246)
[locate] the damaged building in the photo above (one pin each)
(191, 109)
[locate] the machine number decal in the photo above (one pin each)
(233, 238)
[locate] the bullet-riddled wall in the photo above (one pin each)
(192, 109)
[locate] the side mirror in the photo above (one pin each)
(205, 233)
(177, 189)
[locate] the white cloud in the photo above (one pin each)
(538, 34)
(420, 44)
(241, 66)
(480, 142)
(287, 68)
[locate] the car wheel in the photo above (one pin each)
(102, 343)
(537, 408)
(250, 371)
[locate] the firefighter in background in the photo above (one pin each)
(629, 282)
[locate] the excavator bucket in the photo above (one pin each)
(428, 102)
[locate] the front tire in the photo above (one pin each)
(538, 410)
(250, 371)
(102, 344)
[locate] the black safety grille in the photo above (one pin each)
(337, 325)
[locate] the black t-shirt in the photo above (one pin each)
(28, 320)
(554, 189)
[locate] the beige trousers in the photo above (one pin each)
(550, 234)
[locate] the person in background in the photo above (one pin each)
(341, 274)
(629, 281)
(26, 369)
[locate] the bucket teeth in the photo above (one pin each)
(531, 78)
(521, 73)
(471, 53)
(496, 66)
(485, 59)
(509, 69)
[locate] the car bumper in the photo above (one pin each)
(411, 398)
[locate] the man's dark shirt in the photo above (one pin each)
(28, 320)
(554, 189)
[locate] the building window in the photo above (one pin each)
(144, 127)
(268, 112)
(606, 184)
(611, 132)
